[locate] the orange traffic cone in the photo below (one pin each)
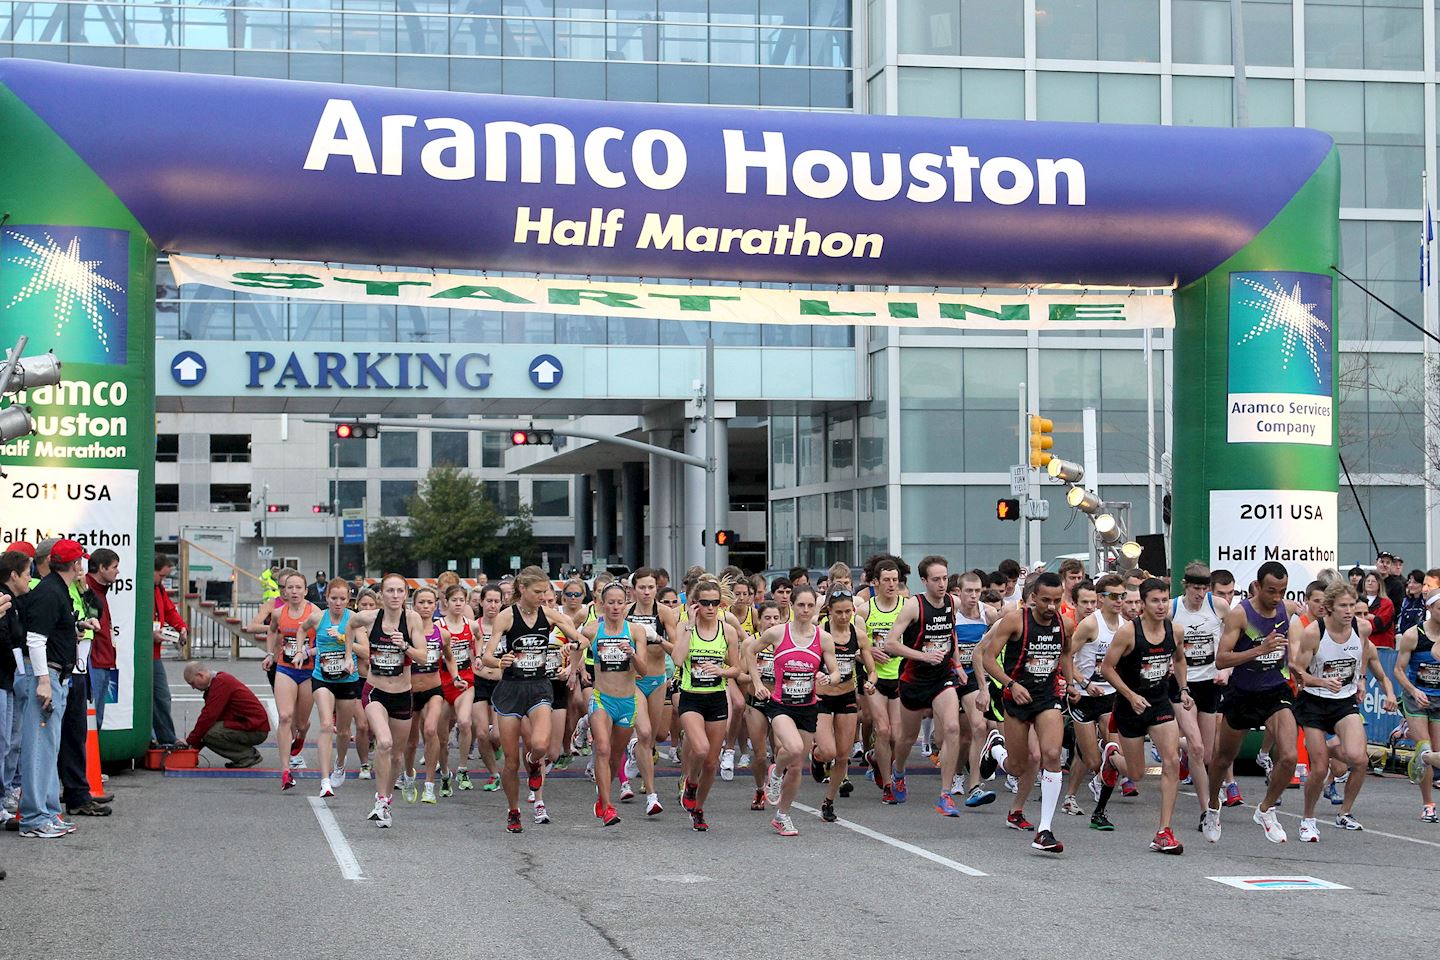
(92, 754)
(1302, 760)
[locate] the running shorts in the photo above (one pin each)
(294, 673)
(648, 685)
(971, 685)
(887, 687)
(1246, 710)
(918, 695)
(418, 698)
(1134, 725)
(712, 707)
(804, 715)
(1323, 713)
(620, 710)
(838, 703)
(517, 698)
(343, 690)
(1205, 693)
(397, 705)
(560, 694)
(1413, 709)
(448, 688)
(484, 689)
(1090, 709)
(1038, 704)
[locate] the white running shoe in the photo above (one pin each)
(1308, 832)
(957, 785)
(727, 765)
(429, 795)
(1210, 825)
(531, 797)
(1071, 806)
(632, 768)
(744, 760)
(627, 792)
(385, 819)
(773, 783)
(784, 825)
(376, 810)
(365, 772)
(1264, 762)
(540, 815)
(925, 748)
(297, 762)
(590, 768)
(1095, 787)
(1012, 784)
(1271, 822)
(337, 776)
(1346, 822)
(652, 804)
(325, 789)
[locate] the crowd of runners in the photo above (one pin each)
(1000, 677)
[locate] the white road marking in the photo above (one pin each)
(339, 846)
(897, 844)
(1318, 820)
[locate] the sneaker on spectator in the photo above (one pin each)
(45, 831)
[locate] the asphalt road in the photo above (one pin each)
(226, 866)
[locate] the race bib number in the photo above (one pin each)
(1200, 649)
(530, 662)
(1342, 670)
(332, 663)
(1154, 670)
(965, 653)
(846, 665)
(1429, 674)
(291, 649)
(461, 649)
(552, 661)
(1271, 658)
(713, 680)
(1041, 664)
(614, 655)
(937, 646)
(798, 689)
(767, 670)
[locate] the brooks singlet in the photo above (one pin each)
(709, 651)
(795, 668)
(1423, 670)
(432, 651)
(529, 642)
(1090, 655)
(1201, 631)
(1268, 671)
(330, 653)
(387, 650)
(1147, 667)
(969, 631)
(879, 622)
(1033, 658)
(1338, 660)
(611, 653)
(933, 631)
(294, 648)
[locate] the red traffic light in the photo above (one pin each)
(519, 438)
(725, 538)
(1007, 508)
(345, 431)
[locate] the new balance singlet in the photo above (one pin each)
(1268, 671)
(933, 631)
(1201, 632)
(879, 623)
(1033, 658)
(1336, 659)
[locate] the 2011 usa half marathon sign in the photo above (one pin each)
(360, 175)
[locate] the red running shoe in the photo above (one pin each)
(537, 777)
(512, 822)
(1016, 821)
(1109, 775)
(1165, 842)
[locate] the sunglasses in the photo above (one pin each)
(841, 594)
(1114, 596)
(571, 593)
(711, 602)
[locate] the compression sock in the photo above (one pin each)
(1051, 784)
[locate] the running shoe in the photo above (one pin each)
(63, 823)
(979, 797)
(772, 785)
(1210, 825)
(1232, 795)
(1098, 821)
(873, 775)
(512, 822)
(899, 790)
(447, 785)
(688, 797)
(784, 825)
(632, 767)
(846, 787)
(1165, 842)
(1095, 788)
(1155, 755)
(287, 780)
(428, 796)
(988, 761)
(1333, 795)
(1184, 766)
(610, 817)
(1271, 824)
(1109, 773)
(924, 748)
(957, 785)
(45, 831)
(1045, 840)
(1263, 761)
(590, 770)
(1071, 806)
(563, 763)
(744, 761)
(1011, 784)
(946, 806)
(1015, 820)
(536, 775)
(1302, 772)
(1346, 822)
(492, 784)
(1417, 766)
(531, 797)
(817, 770)
(758, 803)
(463, 781)
(1127, 788)
(888, 796)
(297, 762)
(337, 776)
(386, 820)
(366, 771)
(377, 810)
(1428, 815)
(541, 816)
(1308, 831)
(697, 821)
(652, 804)
(325, 789)
(727, 765)
(827, 810)
(627, 792)
(408, 789)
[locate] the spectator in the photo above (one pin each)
(89, 606)
(104, 571)
(316, 593)
(798, 577)
(269, 589)
(1412, 605)
(1381, 611)
(10, 760)
(1392, 581)
(42, 689)
(1357, 580)
(233, 721)
(14, 582)
(168, 623)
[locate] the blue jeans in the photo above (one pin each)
(40, 751)
(7, 703)
(101, 680)
(162, 726)
(11, 760)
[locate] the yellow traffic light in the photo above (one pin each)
(1042, 439)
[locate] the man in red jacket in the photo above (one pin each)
(233, 721)
(169, 625)
(104, 571)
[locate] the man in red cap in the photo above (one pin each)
(23, 546)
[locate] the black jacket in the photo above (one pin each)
(47, 610)
(12, 635)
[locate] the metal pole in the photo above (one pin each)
(1024, 434)
(1237, 56)
(712, 552)
(8, 370)
(1150, 428)
(335, 505)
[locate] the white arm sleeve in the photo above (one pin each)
(36, 643)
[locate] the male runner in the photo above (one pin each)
(1198, 616)
(883, 706)
(1091, 696)
(1418, 671)
(971, 623)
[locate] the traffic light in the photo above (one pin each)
(532, 438)
(277, 508)
(359, 430)
(259, 534)
(1007, 508)
(725, 538)
(323, 508)
(27, 373)
(1042, 439)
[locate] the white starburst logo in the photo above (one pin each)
(1287, 313)
(76, 283)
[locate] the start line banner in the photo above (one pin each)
(1103, 310)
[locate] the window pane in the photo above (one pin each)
(1130, 30)
(1066, 29)
(1129, 98)
(782, 452)
(550, 498)
(395, 496)
(1200, 31)
(1272, 102)
(1067, 96)
(348, 494)
(1202, 102)
(841, 436)
(398, 448)
(351, 452)
(782, 533)
(992, 94)
(810, 449)
(505, 494)
(492, 449)
(1269, 34)
(449, 448)
(929, 92)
